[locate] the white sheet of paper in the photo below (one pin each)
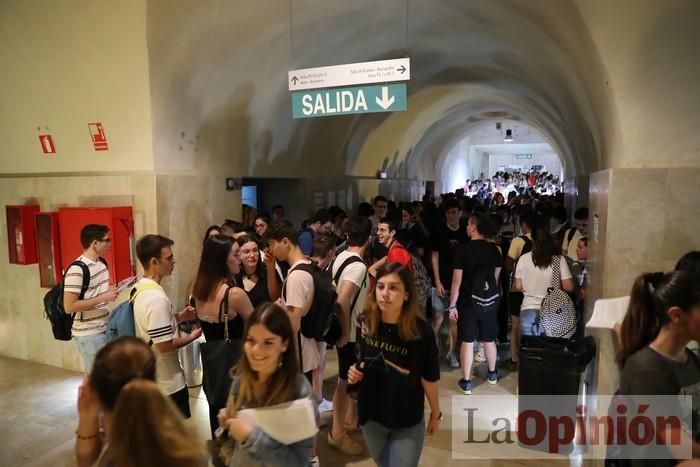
(608, 311)
(287, 423)
(126, 283)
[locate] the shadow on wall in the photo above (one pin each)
(224, 137)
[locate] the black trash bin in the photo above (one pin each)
(551, 366)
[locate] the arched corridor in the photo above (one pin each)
(180, 111)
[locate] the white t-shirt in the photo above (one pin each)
(155, 322)
(299, 293)
(94, 320)
(355, 273)
(536, 281)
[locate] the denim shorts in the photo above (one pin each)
(88, 346)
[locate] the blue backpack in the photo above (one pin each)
(121, 319)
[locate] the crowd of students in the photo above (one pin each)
(398, 272)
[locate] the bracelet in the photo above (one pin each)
(439, 417)
(86, 437)
(452, 307)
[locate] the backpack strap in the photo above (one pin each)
(86, 277)
(299, 267)
(556, 272)
(571, 234)
(135, 291)
(352, 259)
(86, 280)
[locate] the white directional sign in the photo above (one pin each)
(382, 71)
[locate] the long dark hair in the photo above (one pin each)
(410, 312)
(651, 297)
(213, 267)
(543, 248)
(689, 262)
(283, 381)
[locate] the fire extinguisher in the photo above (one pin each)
(19, 244)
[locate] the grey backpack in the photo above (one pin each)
(557, 313)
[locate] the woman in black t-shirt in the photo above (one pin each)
(398, 369)
(662, 317)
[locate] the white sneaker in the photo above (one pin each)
(325, 406)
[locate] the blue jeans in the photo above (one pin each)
(529, 322)
(394, 448)
(88, 346)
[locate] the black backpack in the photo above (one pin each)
(321, 322)
(62, 322)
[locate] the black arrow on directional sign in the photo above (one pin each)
(295, 80)
(402, 69)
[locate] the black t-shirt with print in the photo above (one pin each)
(471, 257)
(391, 392)
(446, 242)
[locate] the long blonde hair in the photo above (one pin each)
(283, 381)
(410, 312)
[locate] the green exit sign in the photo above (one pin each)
(523, 156)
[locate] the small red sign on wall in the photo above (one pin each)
(47, 145)
(99, 139)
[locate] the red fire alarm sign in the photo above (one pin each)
(97, 133)
(47, 145)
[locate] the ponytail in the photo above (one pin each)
(148, 430)
(652, 295)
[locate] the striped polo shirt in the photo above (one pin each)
(94, 320)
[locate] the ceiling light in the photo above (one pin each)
(509, 135)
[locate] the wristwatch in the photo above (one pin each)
(439, 417)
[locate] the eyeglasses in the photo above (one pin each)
(106, 240)
(260, 226)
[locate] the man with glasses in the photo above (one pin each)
(381, 206)
(157, 323)
(322, 222)
(90, 322)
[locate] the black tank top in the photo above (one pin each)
(215, 331)
(259, 293)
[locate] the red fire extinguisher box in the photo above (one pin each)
(21, 234)
(120, 221)
(48, 246)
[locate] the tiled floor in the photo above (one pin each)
(38, 417)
